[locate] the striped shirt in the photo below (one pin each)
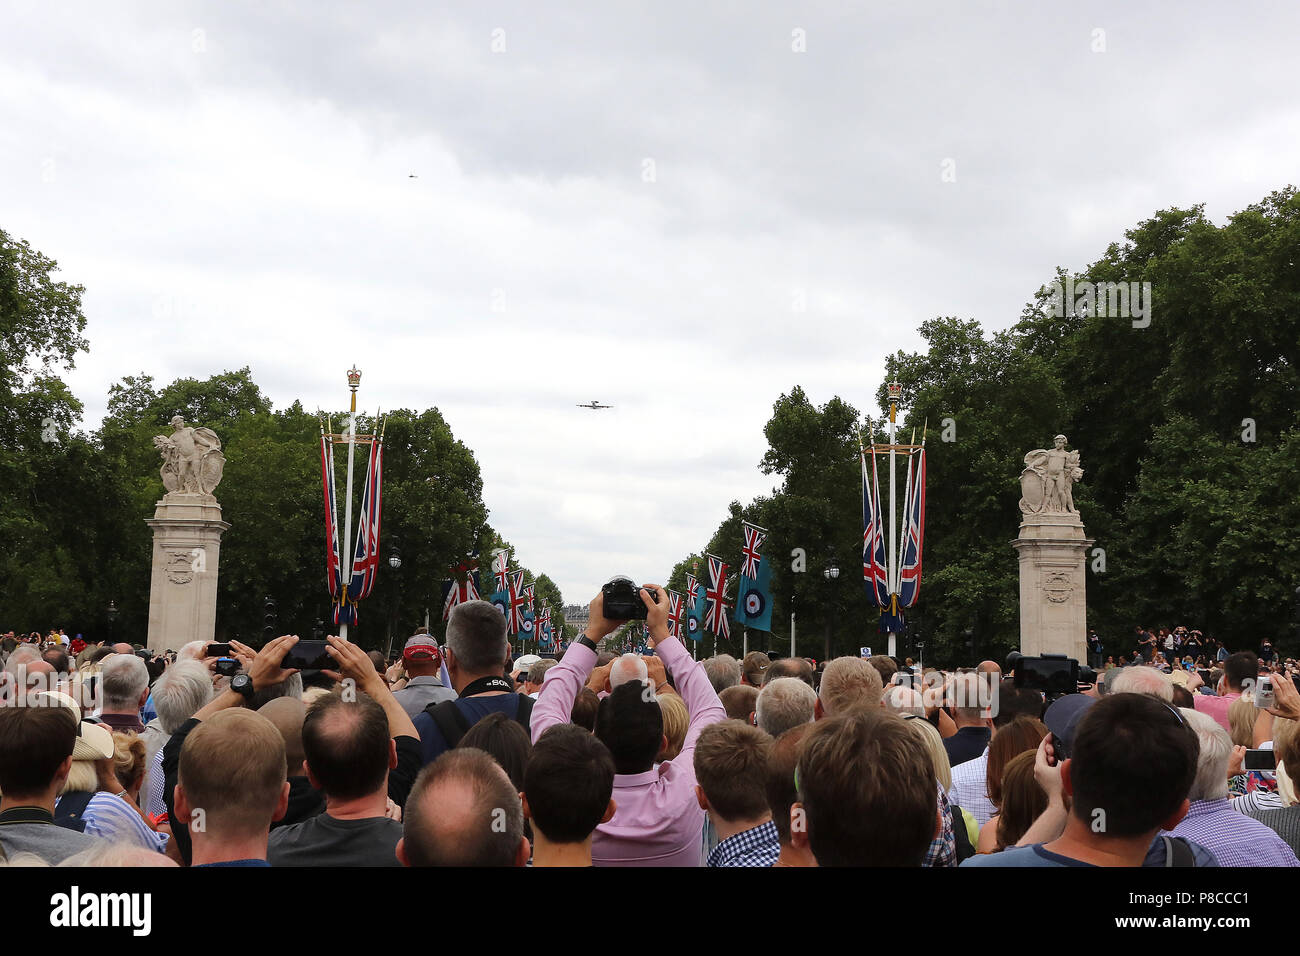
(112, 818)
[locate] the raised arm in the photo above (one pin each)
(564, 682)
(689, 676)
(355, 665)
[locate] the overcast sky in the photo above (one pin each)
(681, 209)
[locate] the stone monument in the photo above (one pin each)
(187, 530)
(1053, 555)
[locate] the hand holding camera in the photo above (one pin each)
(622, 600)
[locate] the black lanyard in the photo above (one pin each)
(484, 684)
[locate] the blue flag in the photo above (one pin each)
(694, 620)
(754, 599)
(502, 600)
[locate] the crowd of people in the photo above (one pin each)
(462, 754)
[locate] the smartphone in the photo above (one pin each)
(227, 666)
(309, 656)
(1264, 694)
(1259, 760)
(217, 650)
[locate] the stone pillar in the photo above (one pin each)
(1053, 611)
(187, 530)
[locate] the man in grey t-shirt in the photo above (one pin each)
(36, 744)
(423, 662)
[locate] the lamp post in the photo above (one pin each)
(395, 563)
(830, 572)
(112, 615)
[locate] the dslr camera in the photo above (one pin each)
(622, 599)
(1055, 675)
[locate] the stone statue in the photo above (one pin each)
(192, 459)
(1047, 483)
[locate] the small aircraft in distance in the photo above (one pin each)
(595, 404)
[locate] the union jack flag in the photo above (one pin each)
(674, 614)
(753, 542)
(715, 613)
(909, 585)
(365, 564)
(874, 566)
(331, 516)
(692, 591)
(518, 602)
(462, 586)
(499, 571)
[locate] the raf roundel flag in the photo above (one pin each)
(754, 600)
(502, 601)
(694, 626)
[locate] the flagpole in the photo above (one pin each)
(893, 530)
(354, 380)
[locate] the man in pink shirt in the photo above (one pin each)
(658, 820)
(1239, 672)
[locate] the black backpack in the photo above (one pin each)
(453, 724)
(71, 811)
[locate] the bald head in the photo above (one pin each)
(123, 649)
(626, 668)
(287, 713)
(989, 667)
(463, 811)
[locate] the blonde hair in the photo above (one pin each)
(850, 683)
(129, 757)
(1241, 721)
(676, 721)
(233, 766)
(925, 732)
(81, 777)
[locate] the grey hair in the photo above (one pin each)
(904, 700)
(182, 690)
(537, 673)
(124, 677)
(476, 635)
(629, 667)
(1211, 781)
(1142, 680)
(291, 686)
(784, 703)
(723, 671)
(20, 656)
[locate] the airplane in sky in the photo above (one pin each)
(595, 404)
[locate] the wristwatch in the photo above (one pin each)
(242, 685)
(585, 641)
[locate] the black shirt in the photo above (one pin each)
(966, 744)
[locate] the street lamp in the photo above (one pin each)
(112, 615)
(394, 562)
(830, 572)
